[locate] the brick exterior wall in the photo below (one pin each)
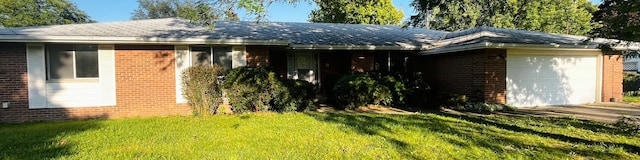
(257, 56)
(145, 86)
(477, 73)
(612, 68)
(145, 81)
(13, 80)
(361, 65)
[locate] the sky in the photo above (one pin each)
(121, 10)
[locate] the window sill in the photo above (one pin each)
(87, 80)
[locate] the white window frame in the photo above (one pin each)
(75, 76)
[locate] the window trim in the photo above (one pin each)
(73, 56)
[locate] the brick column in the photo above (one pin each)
(612, 76)
(495, 76)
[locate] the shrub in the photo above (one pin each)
(480, 107)
(360, 89)
(295, 95)
(628, 124)
(251, 89)
(200, 88)
(417, 90)
(258, 89)
(631, 82)
(395, 84)
(443, 99)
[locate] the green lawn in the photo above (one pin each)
(631, 99)
(319, 136)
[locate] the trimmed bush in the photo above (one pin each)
(360, 89)
(257, 89)
(480, 107)
(395, 89)
(295, 95)
(200, 88)
(631, 84)
(251, 88)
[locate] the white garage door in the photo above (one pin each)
(538, 80)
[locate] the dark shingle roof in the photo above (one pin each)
(172, 30)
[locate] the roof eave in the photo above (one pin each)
(356, 47)
(137, 40)
(487, 45)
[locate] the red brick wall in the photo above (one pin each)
(145, 86)
(257, 56)
(477, 73)
(361, 65)
(13, 80)
(145, 81)
(612, 76)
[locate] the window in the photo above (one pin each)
(630, 66)
(66, 61)
(205, 55)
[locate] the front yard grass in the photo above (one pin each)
(314, 135)
(631, 99)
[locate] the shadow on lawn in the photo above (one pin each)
(41, 140)
(476, 133)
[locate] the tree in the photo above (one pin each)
(552, 16)
(22, 13)
(204, 11)
(188, 9)
(620, 19)
(356, 12)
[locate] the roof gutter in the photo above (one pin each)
(137, 40)
(356, 47)
(485, 45)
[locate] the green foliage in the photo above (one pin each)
(197, 11)
(251, 89)
(357, 90)
(620, 19)
(480, 107)
(295, 95)
(631, 82)
(552, 16)
(395, 89)
(443, 99)
(356, 12)
(257, 89)
(628, 124)
(23, 13)
(200, 88)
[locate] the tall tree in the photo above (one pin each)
(356, 12)
(22, 13)
(620, 19)
(553, 16)
(189, 9)
(205, 11)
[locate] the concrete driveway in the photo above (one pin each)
(603, 112)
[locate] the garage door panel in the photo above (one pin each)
(536, 80)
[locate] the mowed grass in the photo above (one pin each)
(631, 99)
(314, 135)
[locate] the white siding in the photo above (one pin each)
(537, 78)
(239, 56)
(36, 76)
(64, 94)
(182, 62)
